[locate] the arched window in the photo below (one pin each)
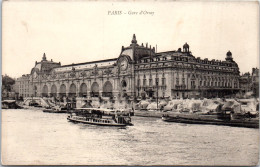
(53, 91)
(107, 89)
(72, 91)
(124, 84)
(45, 91)
(83, 90)
(95, 90)
(62, 90)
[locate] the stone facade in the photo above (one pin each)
(245, 83)
(137, 72)
(255, 81)
(249, 83)
(24, 85)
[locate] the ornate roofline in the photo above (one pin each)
(91, 62)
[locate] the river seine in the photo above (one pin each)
(34, 137)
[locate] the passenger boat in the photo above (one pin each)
(96, 116)
(204, 119)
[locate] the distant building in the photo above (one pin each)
(138, 71)
(24, 86)
(249, 83)
(245, 82)
(255, 82)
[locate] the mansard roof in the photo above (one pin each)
(136, 51)
(44, 64)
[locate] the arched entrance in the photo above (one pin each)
(53, 91)
(123, 84)
(95, 90)
(123, 88)
(62, 91)
(72, 91)
(83, 90)
(143, 95)
(34, 91)
(45, 91)
(150, 92)
(107, 89)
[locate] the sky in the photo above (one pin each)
(81, 31)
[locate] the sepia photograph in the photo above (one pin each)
(130, 83)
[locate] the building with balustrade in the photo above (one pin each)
(255, 82)
(245, 83)
(137, 72)
(250, 82)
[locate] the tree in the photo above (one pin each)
(7, 82)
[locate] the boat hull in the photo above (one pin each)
(98, 123)
(53, 111)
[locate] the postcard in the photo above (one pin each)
(130, 83)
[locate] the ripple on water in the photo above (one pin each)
(35, 137)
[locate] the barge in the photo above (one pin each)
(212, 120)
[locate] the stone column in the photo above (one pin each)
(115, 87)
(49, 88)
(77, 88)
(67, 88)
(58, 90)
(88, 83)
(101, 83)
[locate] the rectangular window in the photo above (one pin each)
(157, 81)
(150, 82)
(163, 81)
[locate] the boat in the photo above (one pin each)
(97, 116)
(34, 104)
(10, 104)
(56, 109)
(211, 120)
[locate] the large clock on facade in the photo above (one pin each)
(123, 64)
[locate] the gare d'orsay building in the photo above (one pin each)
(138, 71)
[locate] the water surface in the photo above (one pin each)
(35, 137)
